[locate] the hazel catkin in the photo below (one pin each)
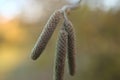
(71, 46)
(60, 55)
(46, 34)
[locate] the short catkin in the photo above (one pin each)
(60, 55)
(46, 34)
(71, 46)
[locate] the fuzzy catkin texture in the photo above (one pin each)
(71, 46)
(60, 55)
(46, 34)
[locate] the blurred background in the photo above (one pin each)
(97, 26)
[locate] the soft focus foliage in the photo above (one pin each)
(98, 47)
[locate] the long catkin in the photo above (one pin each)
(71, 46)
(46, 34)
(60, 55)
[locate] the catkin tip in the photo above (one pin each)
(33, 56)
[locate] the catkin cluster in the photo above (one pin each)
(65, 44)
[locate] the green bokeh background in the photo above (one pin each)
(97, 45)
